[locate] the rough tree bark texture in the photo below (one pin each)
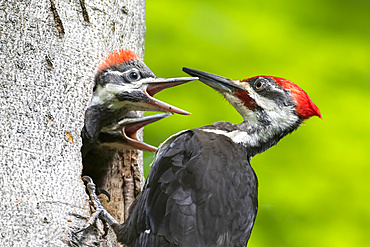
(123, 181)
(49, 51)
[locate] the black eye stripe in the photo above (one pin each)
(135, 96)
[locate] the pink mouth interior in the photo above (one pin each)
(131, 129)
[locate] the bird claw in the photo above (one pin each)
(87, 179)
(93, 218)
(101, 212)
(100, 191)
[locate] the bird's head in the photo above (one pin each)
(264, 102)
(124, 81)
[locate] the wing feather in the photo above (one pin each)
(201, 191)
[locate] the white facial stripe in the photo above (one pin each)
(118, 88)
(96, 100)
(280, 119)
(267, 104)
(107, 93)
(115, 72)
(143, 80)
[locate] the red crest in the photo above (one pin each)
(117, 57)
(305, 107)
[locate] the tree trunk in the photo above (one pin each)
(49, 52)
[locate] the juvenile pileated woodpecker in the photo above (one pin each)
(201, 190)
(123, 85)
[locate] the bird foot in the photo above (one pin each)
(101, 191)
(101, 212)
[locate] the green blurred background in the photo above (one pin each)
(314, 186)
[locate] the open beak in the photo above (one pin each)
(124, 132)
(218, 83)
(156, 85)
(130, 129)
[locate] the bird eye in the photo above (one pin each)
(259, 85)
(133, 76)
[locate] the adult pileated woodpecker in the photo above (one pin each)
(123, 85)
(201, 190)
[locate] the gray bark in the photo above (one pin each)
(49, 52)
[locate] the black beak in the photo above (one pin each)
(155, 85)
(215, 81)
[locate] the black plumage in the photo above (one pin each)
(201, 191)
